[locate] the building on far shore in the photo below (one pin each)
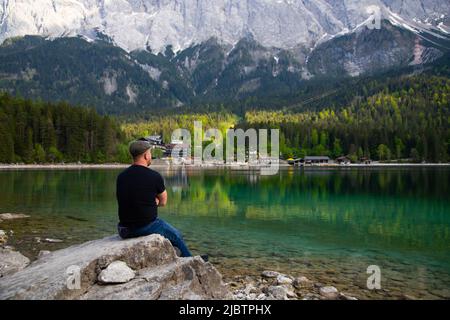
(343, 160)
(365, 160)
(316, 160)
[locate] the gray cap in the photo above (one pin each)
(139, 147)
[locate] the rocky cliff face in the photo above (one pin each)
(137, 24)
(142, 268)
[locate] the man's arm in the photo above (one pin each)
(161, 199)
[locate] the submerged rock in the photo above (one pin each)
(11, 261)
(302, 282)
(329, 292)
(12, 216)
(50, 240)
(72, 273)
(270, 274)
(116, 272)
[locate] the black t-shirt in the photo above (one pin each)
(137, 188)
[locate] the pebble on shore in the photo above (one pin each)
(3, 237)
(329, 292)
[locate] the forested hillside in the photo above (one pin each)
(409, 119)
(406, 118)
(45, 132)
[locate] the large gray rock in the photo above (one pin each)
(11, 261)
(160, 274)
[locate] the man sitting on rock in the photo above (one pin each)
(140, 191)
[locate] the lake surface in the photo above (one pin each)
(326, 224)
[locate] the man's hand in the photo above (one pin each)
(157, 201)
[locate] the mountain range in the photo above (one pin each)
(129, 56)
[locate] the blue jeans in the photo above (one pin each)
(161, 227)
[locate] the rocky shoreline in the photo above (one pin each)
(157, 163)
(142, 268)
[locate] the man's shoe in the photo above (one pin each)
(204, 257)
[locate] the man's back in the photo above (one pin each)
(137, 188)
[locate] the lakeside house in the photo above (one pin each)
(343, 160)
(316, 160)
(365, 160)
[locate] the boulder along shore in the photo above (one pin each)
(143, 268)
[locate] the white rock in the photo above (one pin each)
(281, 279)
(12, 216)
(116, 272)
(329, 292)
(50, 240)
(270, 274)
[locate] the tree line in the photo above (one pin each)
(408, 119)
(40, 132)
(410, 123)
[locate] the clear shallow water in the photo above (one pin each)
(326, 224)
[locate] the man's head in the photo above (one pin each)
(140, 150)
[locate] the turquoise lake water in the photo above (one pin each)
(326, 224)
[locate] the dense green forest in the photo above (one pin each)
(406, 118)
(38, 132)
